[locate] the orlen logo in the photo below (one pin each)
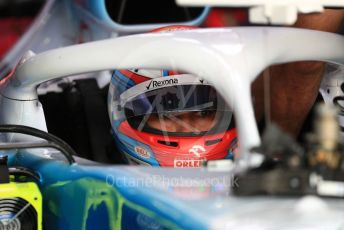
(197, 150)
(158, 83)
(188, 163)
(142, 152)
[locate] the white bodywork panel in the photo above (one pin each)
(269, 11)
(230, 59)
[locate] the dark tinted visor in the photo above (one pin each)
(176, 99)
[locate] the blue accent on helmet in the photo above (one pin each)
(126, 145)
(230, 155)
(232, 147)
(115, 125)
(125, 79)
(121, 82)
(165, 73)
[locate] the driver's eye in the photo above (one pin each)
(204, 113)
(162, 117)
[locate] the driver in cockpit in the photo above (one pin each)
(165, 118)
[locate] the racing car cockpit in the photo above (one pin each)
(172, 101)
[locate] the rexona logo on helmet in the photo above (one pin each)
(166, 118)
(163, 82)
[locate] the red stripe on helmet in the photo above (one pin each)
(137, 78)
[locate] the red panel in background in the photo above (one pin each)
(11, 29)
(222, 17)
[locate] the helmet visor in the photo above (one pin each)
(176, 99)
(178, 105)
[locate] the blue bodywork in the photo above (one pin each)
(107, 197)
(81, 196)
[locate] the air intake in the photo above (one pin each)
(213, 142)
(168, 143)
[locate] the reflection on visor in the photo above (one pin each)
(184, 122)
(179, 98)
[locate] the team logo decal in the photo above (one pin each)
(193, 161)
(159, 83)
(196, 150)
(188, 163)
(142, 152)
